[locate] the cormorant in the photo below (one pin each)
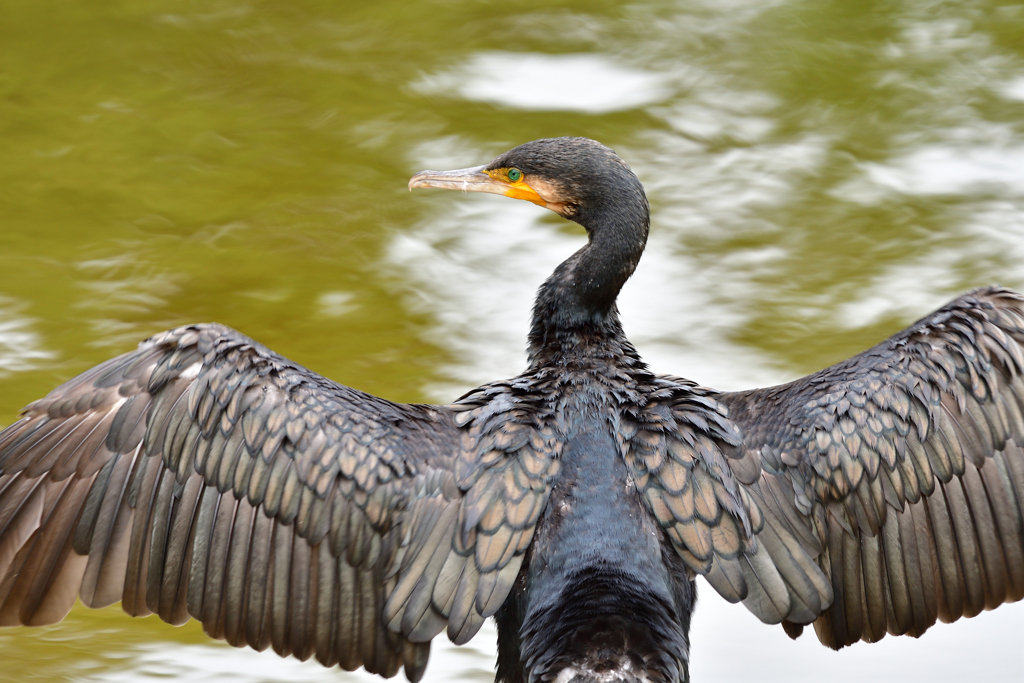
(205, 476)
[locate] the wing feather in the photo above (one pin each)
(896, 476)
(204, 476)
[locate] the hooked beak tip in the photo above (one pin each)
(461, 179)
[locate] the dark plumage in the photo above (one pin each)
(202, 475)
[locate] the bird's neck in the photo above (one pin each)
(576, 305)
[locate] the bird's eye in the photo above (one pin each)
(514, 174)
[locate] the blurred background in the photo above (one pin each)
(821, 174)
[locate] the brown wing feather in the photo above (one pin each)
(202, 475)
(900, 472)
(686, 459)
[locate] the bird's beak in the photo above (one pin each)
(476, 179)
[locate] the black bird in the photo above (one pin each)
(204, 476)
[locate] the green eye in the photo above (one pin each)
(514, 174)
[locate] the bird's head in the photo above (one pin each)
(570, 176)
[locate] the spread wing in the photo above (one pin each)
(203, 475)
(899, 473)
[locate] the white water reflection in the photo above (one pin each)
(1013, 89)
(998, 227)
(591, 83)
(909, 290)
(989, 185)
(120, 290)
(712, 110)
(214, 663)
(941, 169)
(912, 288)
(729, 645)
(221, 663)
(21, 348)
(336, 304)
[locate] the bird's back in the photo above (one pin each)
(600, 598)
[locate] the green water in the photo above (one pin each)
(820, 174)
